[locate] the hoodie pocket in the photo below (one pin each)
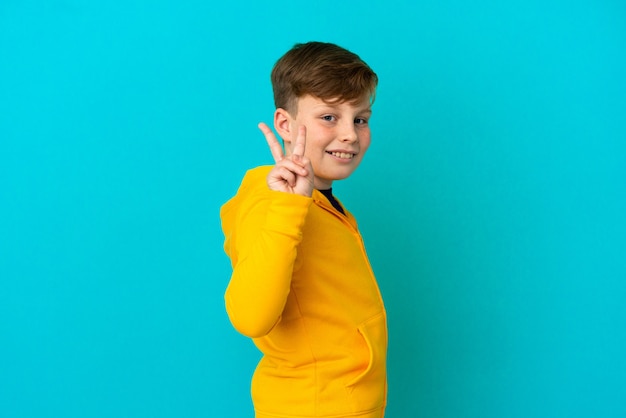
(374, 332)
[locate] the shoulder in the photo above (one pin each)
(253, 181)
(257, 173)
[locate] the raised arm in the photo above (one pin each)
(268, 232)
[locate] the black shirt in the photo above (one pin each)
(329, 195)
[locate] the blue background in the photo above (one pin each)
(492, 200)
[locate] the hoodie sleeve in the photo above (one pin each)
(265, 232)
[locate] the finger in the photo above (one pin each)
(289, 177)
(300, 145)
(281, 176)
(297, 167)
(275, 148)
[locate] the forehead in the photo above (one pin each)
(312, 103)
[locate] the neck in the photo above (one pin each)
(320, 184)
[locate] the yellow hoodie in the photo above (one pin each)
(302, 288)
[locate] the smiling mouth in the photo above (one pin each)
(343, 155)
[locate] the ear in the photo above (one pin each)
(282, 124)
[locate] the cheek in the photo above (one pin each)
(315, 142)
(365, 142)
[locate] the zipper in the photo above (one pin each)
(322, 203)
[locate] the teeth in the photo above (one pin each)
(342, 154)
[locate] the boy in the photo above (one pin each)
(302, 287)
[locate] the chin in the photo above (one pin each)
(334, 174)
(341, 176)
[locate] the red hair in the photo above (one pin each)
(323, 70)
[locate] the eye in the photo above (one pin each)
(360, 121)
(328, 118)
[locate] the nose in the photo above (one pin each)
(348, 132)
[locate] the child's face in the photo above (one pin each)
(337, 136)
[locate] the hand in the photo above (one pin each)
(293, 173)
